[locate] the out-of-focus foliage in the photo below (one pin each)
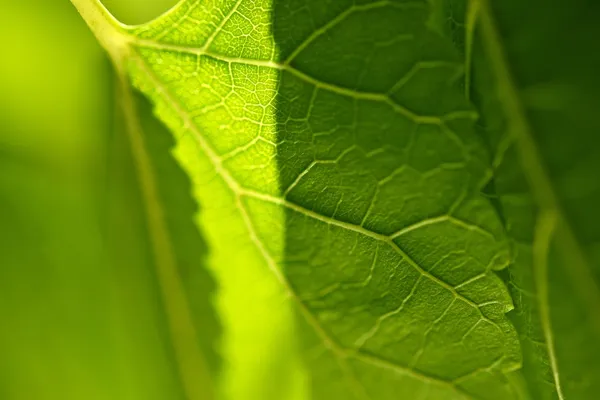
(82, 317)
(536, 83)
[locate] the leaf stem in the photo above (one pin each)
(107, 29)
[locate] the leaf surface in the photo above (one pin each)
(334, 154)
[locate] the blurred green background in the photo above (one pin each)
(79, 308)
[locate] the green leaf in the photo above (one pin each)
(334, 154)
(535, 81)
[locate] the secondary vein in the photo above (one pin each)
(544, 232)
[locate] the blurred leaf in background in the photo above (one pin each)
(81, 309)
(134, 12)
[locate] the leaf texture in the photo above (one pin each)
(334, 152)
(350, 163)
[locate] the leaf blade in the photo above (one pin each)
(190, 58)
